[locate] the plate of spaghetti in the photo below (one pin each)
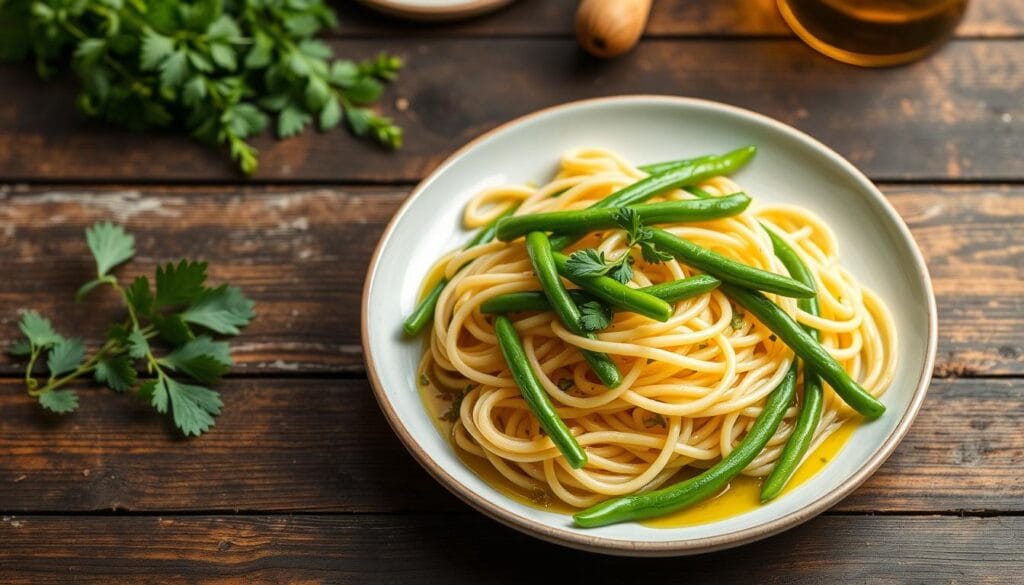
(648, 325)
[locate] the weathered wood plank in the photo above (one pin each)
(984, 18)
(953, 116)
(322, 445)
(436, 549)
(302, 254)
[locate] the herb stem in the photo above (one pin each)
(86, 367)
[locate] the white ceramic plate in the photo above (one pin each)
(790, 167)
(435, 9)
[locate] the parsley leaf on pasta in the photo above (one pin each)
(594, 316)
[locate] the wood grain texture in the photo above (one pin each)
(954, 116)
(675, 18)
(439, 549)
(299, 445)
(302, 253)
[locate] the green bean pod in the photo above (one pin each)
(668, 165)
(685, 173)
(809, 416)
(534, 395)
(728, 270)
(615, 293)
(807, 349)
(684, 288)
(697, 192)
(539, 250)
(533, 300)
(424, 311)
(670, 292)
(733, 159)
(708, 483)
(600, 218)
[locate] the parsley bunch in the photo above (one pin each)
(221, 69)
(180, 311)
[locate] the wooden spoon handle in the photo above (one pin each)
(607, 28)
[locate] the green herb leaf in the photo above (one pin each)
(344, 73)
(590, 262)
(149, 392)
(172, 329)
(174, 70)
(116, 372)
(225, 29)
(203, 368)
(202, 358)
(594, 316)
(653, 255)
(622, 269)
(587, 262)
(330, 115)
(138, 346)
(737, 321)
(179, 284)
(364, 91)
(155, 49)
(38, 330)
(291, 121)
(110, 245)
(223, 309)
(629, 220)
(193, 407)
(65, 356)
(118, 334)
(20, 348)
(565, 384)
(636, 234)
(59, 401)
(139, 296)
(453, 412)
(203, 345)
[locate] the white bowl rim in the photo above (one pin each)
(436, 11)
(670, 547)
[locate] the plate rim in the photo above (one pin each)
(428, 13)
(680, 547)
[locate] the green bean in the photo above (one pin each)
(810, 409)
(728, 270)
(589, 220)
(687, 172)
(661, 167)
(533, 300)
(424, 311)
(684, 288)
(670, 292)
(617, 294)
(708, 483)
(805, 347)
(534, 395)
(539, 250)
(697, 192)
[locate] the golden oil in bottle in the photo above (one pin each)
(873, 33)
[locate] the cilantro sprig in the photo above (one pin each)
(179, 314)
(590, 262)
(220, 70)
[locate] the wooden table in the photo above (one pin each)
(303, 482)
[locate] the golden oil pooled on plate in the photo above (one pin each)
(740, 496)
